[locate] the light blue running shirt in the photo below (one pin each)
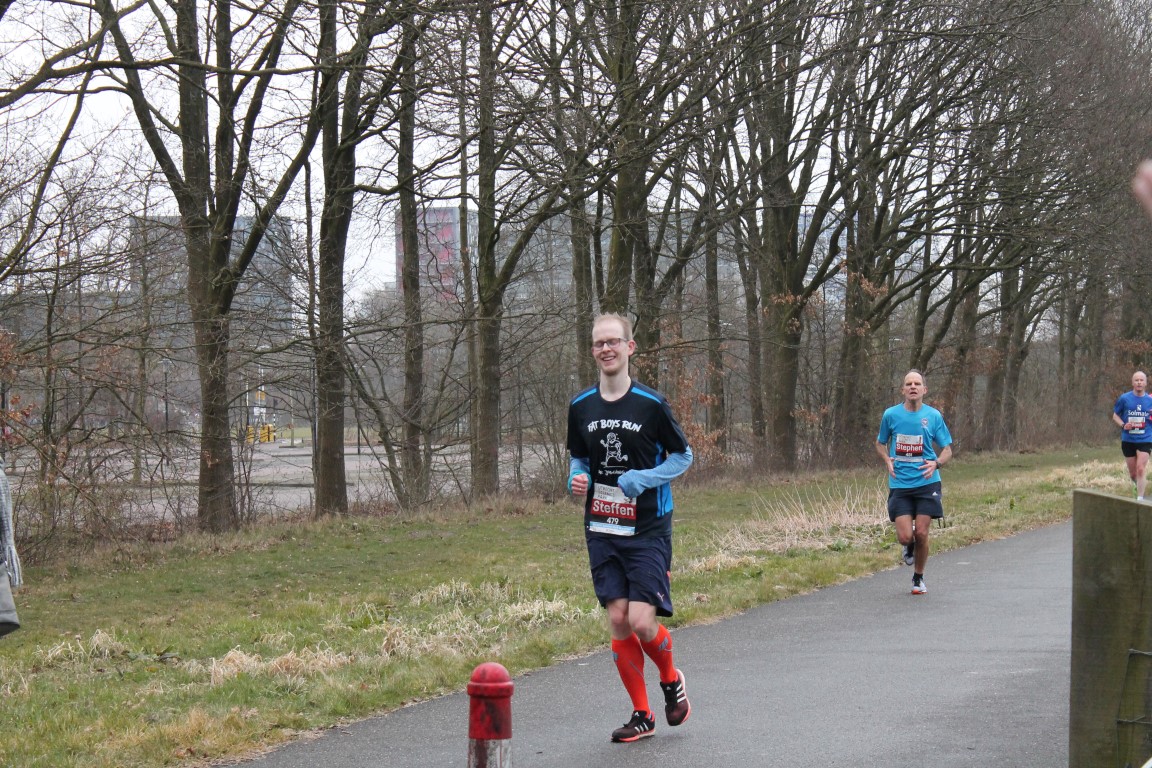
(912, 438)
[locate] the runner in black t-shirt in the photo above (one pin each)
(626, 446)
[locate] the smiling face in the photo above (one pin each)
(611, 346)
(914, 389)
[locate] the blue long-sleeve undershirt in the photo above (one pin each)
(636, 481)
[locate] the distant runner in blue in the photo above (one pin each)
(1131, 414)
(914, 442)
(626, 446)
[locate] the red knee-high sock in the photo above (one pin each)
(629, 658)
(659, 649)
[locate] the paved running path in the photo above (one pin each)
(861, 675)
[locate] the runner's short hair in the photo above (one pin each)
(625, 323)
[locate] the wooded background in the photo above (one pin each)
(796, 201)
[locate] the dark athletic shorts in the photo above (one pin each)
(922, 500)
(1129, 449)
(635, 568)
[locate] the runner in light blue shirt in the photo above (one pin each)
(914, 443)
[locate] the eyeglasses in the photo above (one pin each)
(610, 343)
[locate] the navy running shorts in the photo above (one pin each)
(636, 568)
(921, 500)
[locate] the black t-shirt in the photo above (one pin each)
(637, 431)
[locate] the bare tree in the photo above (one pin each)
(353, 90)
(225, 76)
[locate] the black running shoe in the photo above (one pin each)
(676, 706)
(642, 725)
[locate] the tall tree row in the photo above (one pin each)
(793, 201)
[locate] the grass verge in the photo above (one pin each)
(210, 648)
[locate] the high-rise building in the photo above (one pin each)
(439, 242)
(546, 263)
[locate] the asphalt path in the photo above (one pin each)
(860, 675)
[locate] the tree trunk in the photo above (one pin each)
(217, 512)
(414, 472)
(486, 478)
(467, 272)
(994, 430)
(629, 204)
(581, 238)
(1018, 354)
(717, 414)
(486, 410)
(781, 377)
(958, 393)
(746, 241)
(854, 411)
(335, 216)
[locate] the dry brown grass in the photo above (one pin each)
(102, 645)
(461, 593)
(803, 518)
(293, 664)
(1095, 475)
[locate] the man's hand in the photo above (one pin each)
(580, 484)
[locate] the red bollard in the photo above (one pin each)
(490, 717)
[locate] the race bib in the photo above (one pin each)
(1137, 422)
(612, 512)
(909, 447)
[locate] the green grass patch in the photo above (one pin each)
(184, 653)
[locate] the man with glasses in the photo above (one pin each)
(625, 447)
